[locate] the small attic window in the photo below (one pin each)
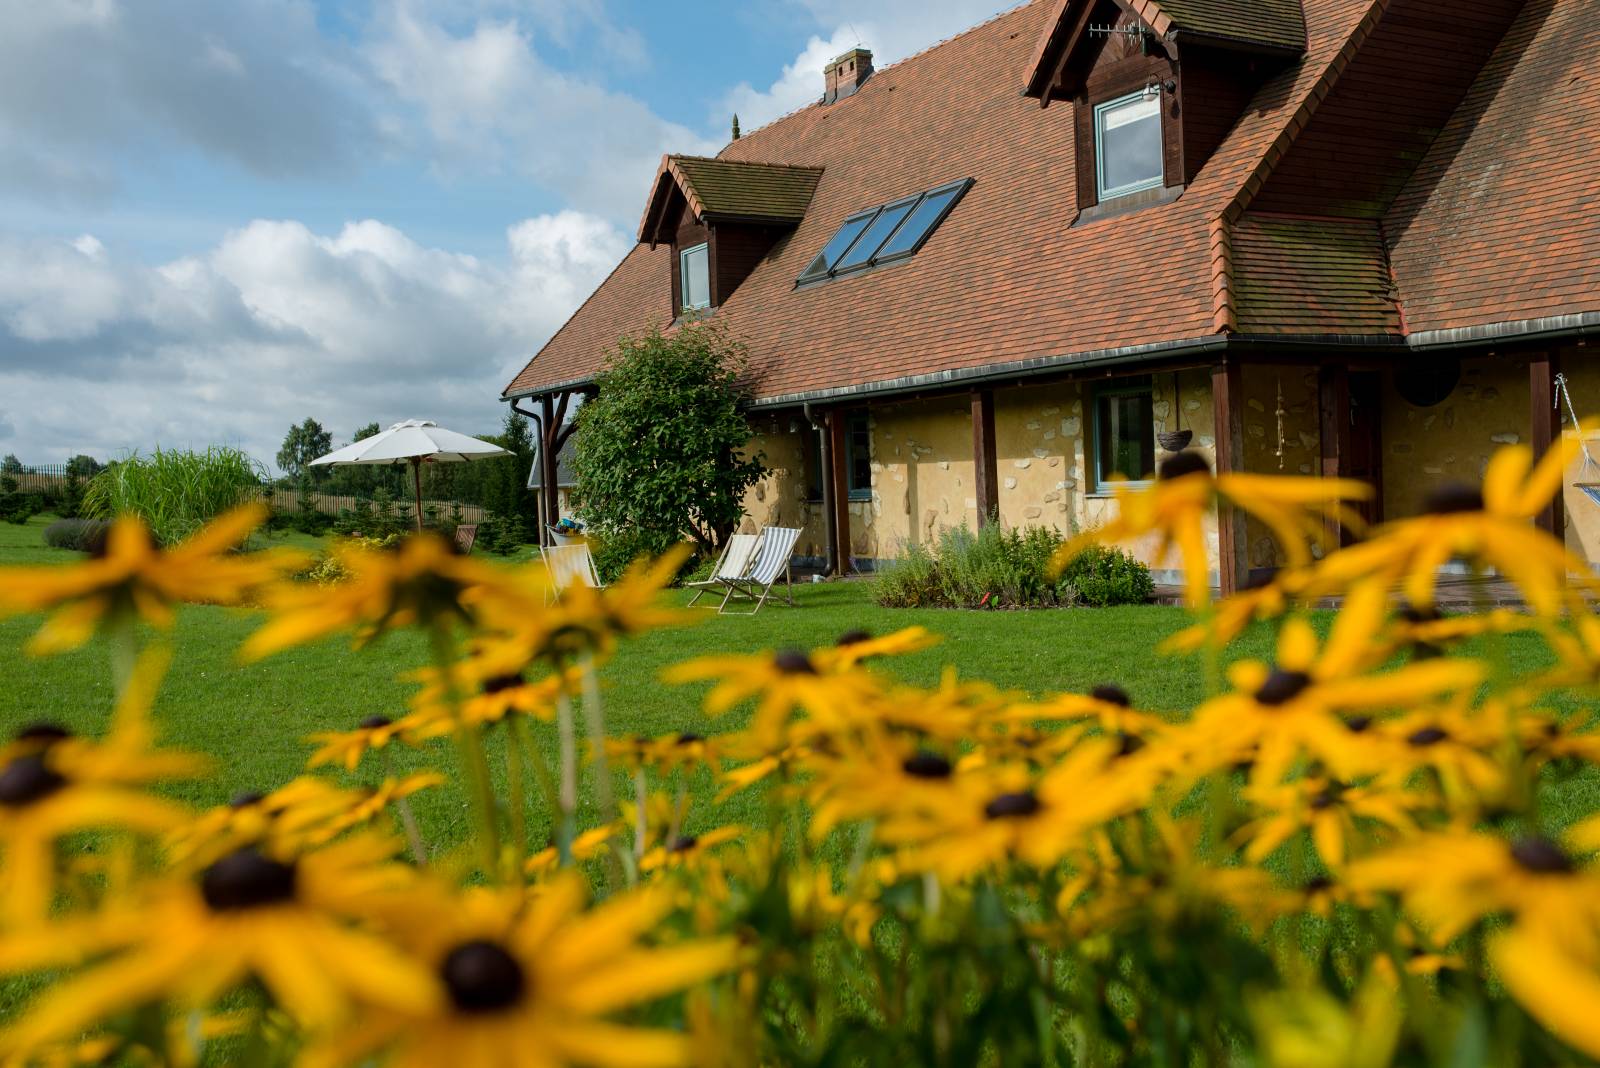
(888, 232)
(1127, 144)
(695, 270)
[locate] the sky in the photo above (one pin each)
(219, 217)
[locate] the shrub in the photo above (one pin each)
(615, 551)
(21, 506)
(81, 535)
(996, 567)
(1105, 575)
(175, 491)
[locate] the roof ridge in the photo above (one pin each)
(1017, 5)
(1224, 315)
(749, 162)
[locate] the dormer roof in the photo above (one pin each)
(723, 190)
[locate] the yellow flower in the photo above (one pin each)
(1311, 1028)
(1555, 976)
(585, 846)
(1457, 747)
(277, 919)
(1491, 527)
(1267, 600)
(1327, 808)
(348, 747)
(782, 683)
(533, 982)
(422, 581)
(135, 579)
(493, 697)
(1298, 707)
(1176, 505)
(687, 850)
(53, 784)
(854, 646)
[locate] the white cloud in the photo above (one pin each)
(892, 29)
(275, 323)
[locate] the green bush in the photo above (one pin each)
(21, 506)
(175, 491)
(996, 568)
(1104, 575)
(613, 552)
(81, 535)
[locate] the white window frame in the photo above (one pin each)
(1100, 155)
(683, 276)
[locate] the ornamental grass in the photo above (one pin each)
(1343, 855)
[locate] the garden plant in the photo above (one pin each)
(1345, 855)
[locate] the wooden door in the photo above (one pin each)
(1364, 459)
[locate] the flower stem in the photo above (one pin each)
(595, 720)
(408, 820)
(519, 803)
(567, 798)
(469, 747)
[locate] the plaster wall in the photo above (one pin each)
(779, 499)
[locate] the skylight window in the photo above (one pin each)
(889, 232)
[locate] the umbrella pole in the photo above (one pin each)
(416, 478)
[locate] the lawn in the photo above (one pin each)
(254, 719)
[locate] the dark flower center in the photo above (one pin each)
(1318, 884)
(1188, 462)
(1012, 806)
(1453, 497)
(682, 844)
(1282, 686)
(372, 723)
(26, 780)
(246, 880)
(482, 977)
(496, 683)
(1260, 579)
(794, 662)
(855, 637)
(1427, 736)
(1328, 796)
(246, 799)
(1128, 744)
(926, 765)
(1111, 694)
(1541, 856)
(1419, 614)
(1357, 724)
(689, 738)
(47, 733)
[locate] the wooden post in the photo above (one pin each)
(985, 478)
(416, 477)
(549, 499)
(1227, 398)
(1545, 431)
(840, 476)
(1333, 409)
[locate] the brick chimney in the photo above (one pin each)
(844, 75)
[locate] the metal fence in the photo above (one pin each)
(285, 500)
(37, 476)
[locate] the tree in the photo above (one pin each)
(301, 445)
(83, 466)
(659, 453)
(10, 465)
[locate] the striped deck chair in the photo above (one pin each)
(771, 564)
(734, 563)
(570, 565)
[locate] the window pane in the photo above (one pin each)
(860, 456)
(887, 220)
(837, 244)
(1129, 143)
(1126, 436)
(918, 223)
(696, 264)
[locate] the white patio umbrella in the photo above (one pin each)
(415, 442)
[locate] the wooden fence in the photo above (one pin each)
(285, 500)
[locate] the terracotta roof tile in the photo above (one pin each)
(1312, 276)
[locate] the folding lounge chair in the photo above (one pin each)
(734, 563)
(571, 565)
(771, 563)
(466, 534)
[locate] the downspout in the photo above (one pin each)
(826, 462)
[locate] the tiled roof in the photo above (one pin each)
(1312, 276)
(1501, 221)
(1007, 282)
(732, 189)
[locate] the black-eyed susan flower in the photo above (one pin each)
(421, 581)
(1492, 527)
(282, 822)
(1297, 707)
(782, 684)
(1176, 505)
(688, 850)
(1457, 745)
(1334, 813)
(534, 983)
(282, 920)
(137, 580)
(855, 646)
(1271, 599)
(348, 747)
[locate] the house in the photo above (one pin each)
(564, 480)
(1346, 237)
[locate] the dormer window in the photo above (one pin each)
(884, 234)
(1127, 144)
(695, 272)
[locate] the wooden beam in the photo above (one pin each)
(1333, 410)
(840, 477)
(549, 492)
(1545, 431)
(985, 474)
(1227, 403)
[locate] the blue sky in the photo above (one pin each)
(218, 218)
